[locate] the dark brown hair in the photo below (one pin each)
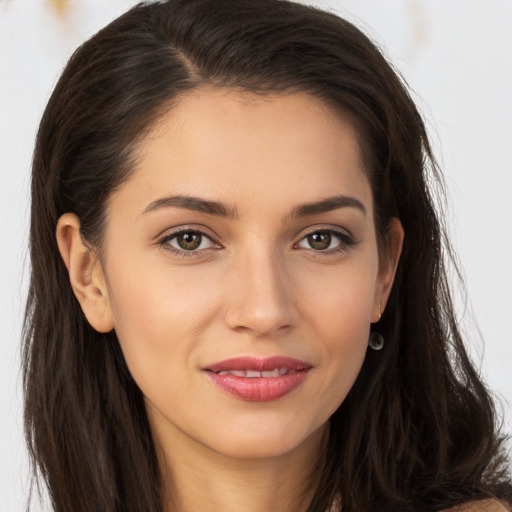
(417, 431)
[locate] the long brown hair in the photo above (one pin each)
(417, 431)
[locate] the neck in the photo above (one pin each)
(196, 478)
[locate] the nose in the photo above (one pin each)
(261, 299)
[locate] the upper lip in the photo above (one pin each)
(258, 364)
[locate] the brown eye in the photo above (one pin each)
(189, 241)
(327, 241)
(320, 240)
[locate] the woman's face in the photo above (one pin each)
(243, 243)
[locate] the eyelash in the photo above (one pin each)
(345, 242)
(164, 242)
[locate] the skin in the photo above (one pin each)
(480, 506)
(255, 286)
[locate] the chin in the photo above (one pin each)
(266, 442)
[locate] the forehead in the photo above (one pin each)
(241, 146)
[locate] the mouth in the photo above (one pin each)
(256, 367)
(258, 380)
(252, 374)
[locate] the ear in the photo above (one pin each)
(85, 273)
(388, 262)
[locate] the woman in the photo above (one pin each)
(238, 298)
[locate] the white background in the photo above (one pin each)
(455, 54)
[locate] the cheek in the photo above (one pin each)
(155, 319)
(339, 312)
(340, 304)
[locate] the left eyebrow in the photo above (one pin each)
(193, 203)
(327, 205)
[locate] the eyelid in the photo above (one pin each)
(333, 228)
(345, 236)
(167, 235)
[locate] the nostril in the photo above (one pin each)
(259, 301)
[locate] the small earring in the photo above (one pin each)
(376, 341)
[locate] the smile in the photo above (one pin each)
(251, 374)
(258, 380)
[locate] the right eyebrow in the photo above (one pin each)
(327, 205)
(193, 203)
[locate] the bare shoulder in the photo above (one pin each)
(480, 506)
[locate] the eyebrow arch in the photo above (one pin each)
(193, 203)
(327, 205)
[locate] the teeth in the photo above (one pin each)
(238, 373)
(278, 372)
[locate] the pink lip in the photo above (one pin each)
(258, 389)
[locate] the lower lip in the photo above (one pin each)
(258, 389)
